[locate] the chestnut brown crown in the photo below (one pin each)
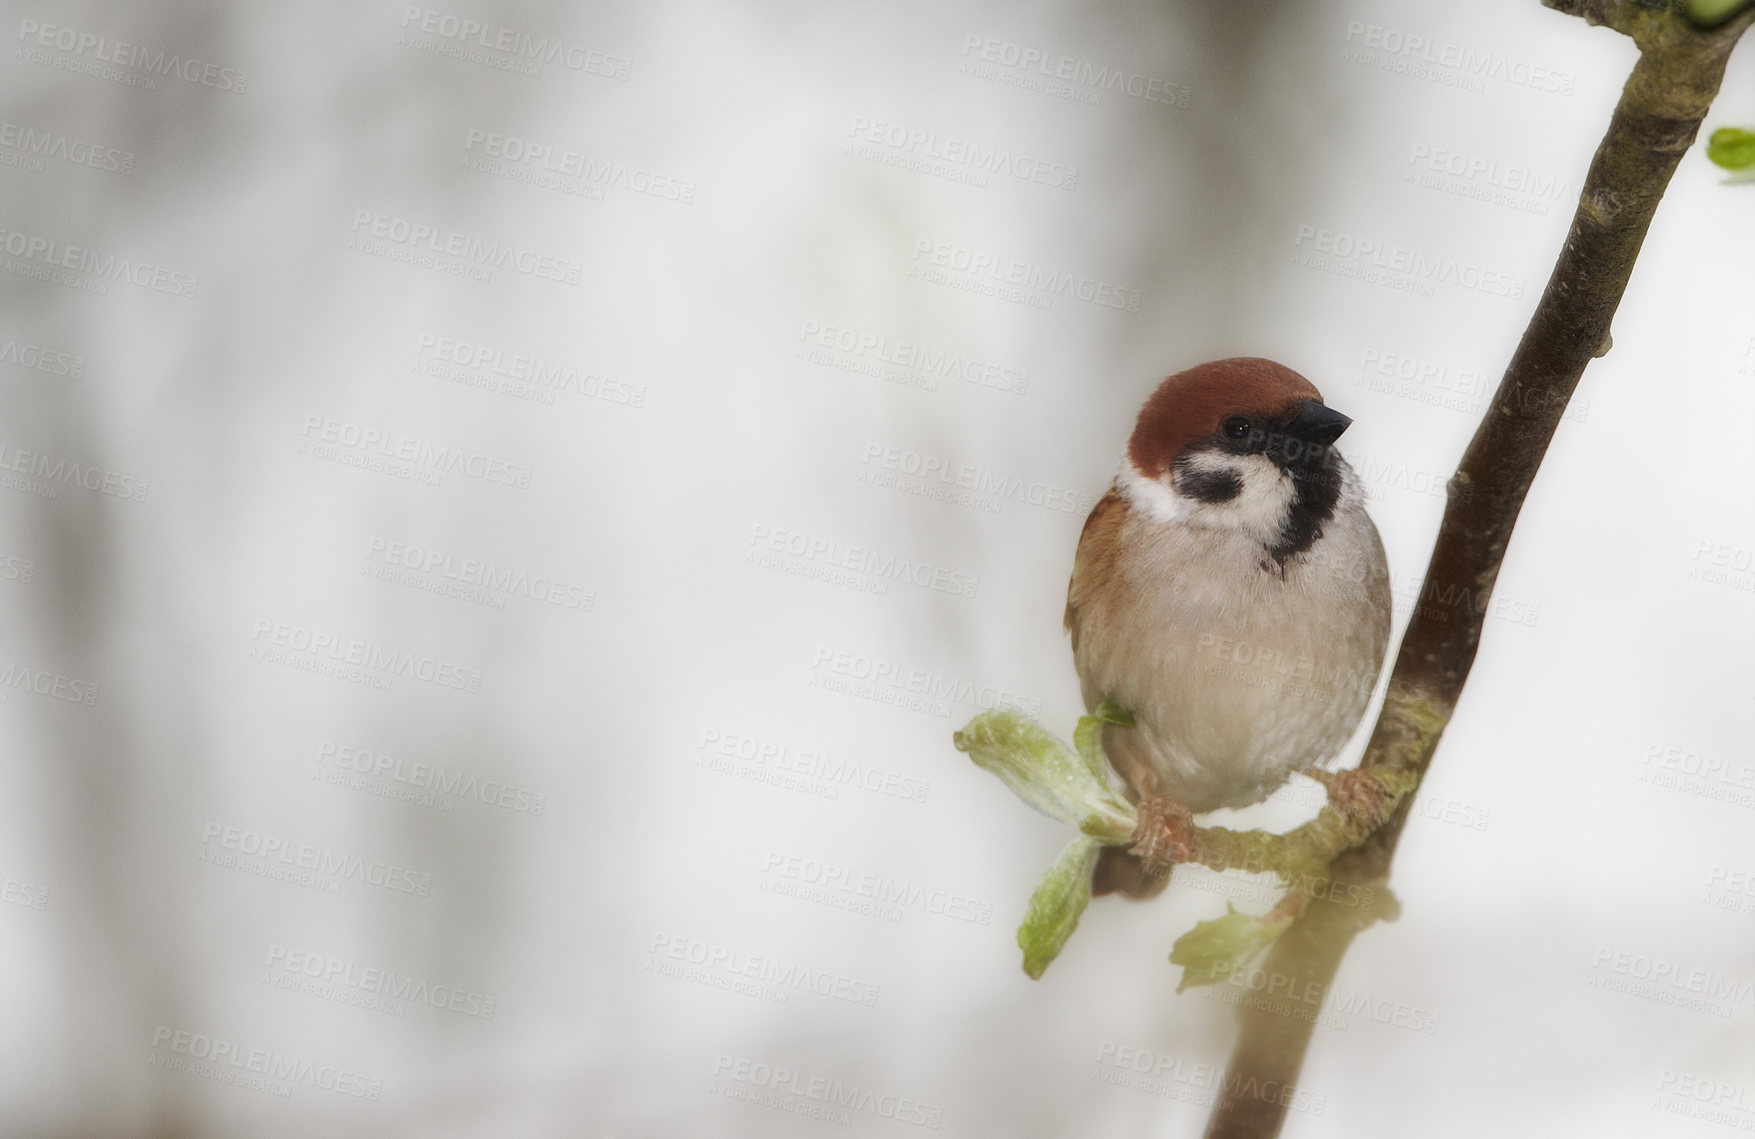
(1193, 406)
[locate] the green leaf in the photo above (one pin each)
(1711, 12)
(1055, 907)
(1088, 739)
(1112, 713)
(1732, 147)
(1088, 736)
(1213, 950)
(1047, 774)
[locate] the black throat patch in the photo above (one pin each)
(1316, 488)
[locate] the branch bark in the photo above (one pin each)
(1614, 13)
(1661, 107)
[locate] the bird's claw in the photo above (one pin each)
(1358, 796)
(1164, 835)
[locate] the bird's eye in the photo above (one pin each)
(1236, 427)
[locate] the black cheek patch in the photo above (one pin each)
(1207, 485)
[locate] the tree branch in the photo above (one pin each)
(1625, 16)
(1661, 107)
(1614, 13)
(1301, 856)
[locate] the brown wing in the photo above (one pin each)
(1118, 871)
(1095, 558)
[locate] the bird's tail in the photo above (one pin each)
(1120, 871)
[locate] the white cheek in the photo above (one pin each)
(1259, 509)
(1151, 497)
(1264, 497)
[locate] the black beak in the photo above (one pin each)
(1317, 423)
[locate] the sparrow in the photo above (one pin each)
(1230, 592)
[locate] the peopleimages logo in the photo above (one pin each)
(1728, 889)
(919, 689)
(1411, 53)
(41, 359)
(1302, 999)
(956, 158)
(1711, 776)
(470, 579)
(38, 465)
(813, 772)
(516, 373)
(530, 51)
(368, 986)
(373, 230)
(868, 892)
(45, 683)
(1416, 270)
(934, 476)
(1395, 372)
(1485, 179)
(993, 274)
(264, 854)
(900, 361)
(229, 1062)
(24, 894)
(1723, 564)
(816, 556)
(1702, 1097)
(560, 167)
(817, 1096)
(1669, 982)
(33, 145)
(45, 256)
(337, 437)
(421, 778)
(103, 49)
(1048, 69)
(760, 975)
(1201, 1084)
(277, 641)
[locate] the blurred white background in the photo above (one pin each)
(451, 456)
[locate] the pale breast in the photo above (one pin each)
(1236, 675)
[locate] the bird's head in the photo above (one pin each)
(1243, 444)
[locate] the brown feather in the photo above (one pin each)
(1095, 559)
(1118, 870)
(1190, 405)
